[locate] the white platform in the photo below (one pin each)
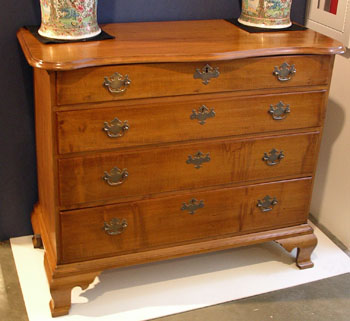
(153, 290)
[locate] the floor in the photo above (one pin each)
(11, 301)
(325, 300)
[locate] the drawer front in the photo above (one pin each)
(103, 177)
(158, 122)
(171, 79)
(111, 230)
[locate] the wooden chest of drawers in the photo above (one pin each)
(176, 138)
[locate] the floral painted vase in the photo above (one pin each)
(274, 14)
(69, 19)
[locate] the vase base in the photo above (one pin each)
(262, 25)
(53, 35)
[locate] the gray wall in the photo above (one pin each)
(18, 189)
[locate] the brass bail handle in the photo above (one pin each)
(274, 157)
(117, 83)
(279, 111)
(115, 226)
(284, 72)
(116, 176)
(116, 128)
(267, 204)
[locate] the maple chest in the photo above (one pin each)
(175, 138)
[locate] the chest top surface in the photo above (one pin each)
(173, 41)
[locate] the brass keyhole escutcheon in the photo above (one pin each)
(192, 206)
(206, 74)
(202, 114)
(198, 159)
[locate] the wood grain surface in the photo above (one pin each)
(82, 130)
(161, 222)
(45, 132)
(164, 169)
(173, 41)
(159, 80)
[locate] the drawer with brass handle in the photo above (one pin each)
(113, 176)
(121, 228)
(162, 121)
(122, 82)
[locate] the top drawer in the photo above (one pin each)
(169, 79)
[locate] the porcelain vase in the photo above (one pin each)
(69, 19)
(274, 14)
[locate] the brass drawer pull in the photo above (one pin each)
(267, 204)
(115, 226)
(202, 114)
(273, 158)
(198, 159)
(284, 72)
(117, 83)
(116, 128)
(192, 206)
(206, 73)
(116, 176)
(279, 111)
